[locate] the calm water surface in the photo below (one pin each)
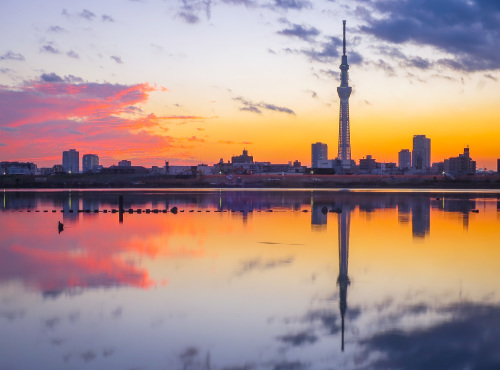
(250, 280)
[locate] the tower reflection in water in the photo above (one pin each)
(344, 221)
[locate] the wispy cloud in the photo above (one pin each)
(49, 49)
(56, 29)
(107, 18)
(10, 55)
(87, 14)
(302, 32)
(250, 106)
(117, 59)
(403, 59)
(234, 142)
(72, 54)
(292, 4)
(190, 10)
(190, 18)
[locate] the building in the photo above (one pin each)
(319, 152)
(438, 167)
(17, 168)
(243, 158)
(223, 168)
(90, 162)
(367, 165)
(404, 159)
(58, 169)
(182, 170)
(344, 91)
(125, 170)
(124, 163)
(498, 165)
(71, 161)
(421, 155)
(462, 164)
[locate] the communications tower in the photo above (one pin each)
(344, 91)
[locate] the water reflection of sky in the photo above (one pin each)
(248, 288)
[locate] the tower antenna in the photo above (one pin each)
(344, 35)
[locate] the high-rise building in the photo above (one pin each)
(90, 162)
(319, 152)
(404, 159)
(344, 91)
(498, 165)
(71, 161)
(421, 155)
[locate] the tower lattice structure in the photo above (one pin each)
(344, 91)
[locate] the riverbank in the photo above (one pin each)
(250, 181)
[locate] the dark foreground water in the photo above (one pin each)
(388, 280)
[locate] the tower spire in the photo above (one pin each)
(344, 34)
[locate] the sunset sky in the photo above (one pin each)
(194, 81)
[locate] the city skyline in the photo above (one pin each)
(195, 81)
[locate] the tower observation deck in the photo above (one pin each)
(344, 91)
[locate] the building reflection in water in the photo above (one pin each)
(458, 205)
(319, 218)
(71, 205)
(421, 217)
(404, 212)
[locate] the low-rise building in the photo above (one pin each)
(367, 165)
(125, 170)
(181, 170)
(125, 163)
(17, 168)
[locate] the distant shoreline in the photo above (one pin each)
(287, 181)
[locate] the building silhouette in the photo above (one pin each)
(461, 164)
(344, 91)
(319, 152)
(368, 164)
(244, 158)
(404, 159)
(71, 161)
(90, 162)
(421, 155)
(124, 163)
(17, 168)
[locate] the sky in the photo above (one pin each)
(192, 82)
